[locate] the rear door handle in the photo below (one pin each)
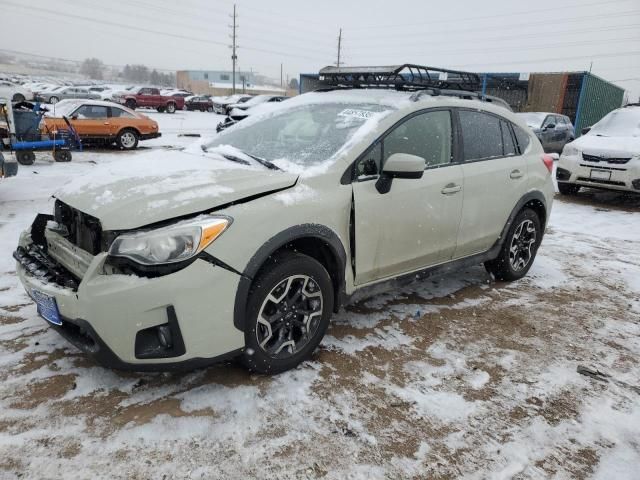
(451, 188)
(516, 174)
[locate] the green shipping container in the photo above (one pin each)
(597, 98)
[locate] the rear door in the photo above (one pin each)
(495, 178)
(415, 224)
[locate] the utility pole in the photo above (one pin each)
(339, 48)
(281, 75)
(234, 46)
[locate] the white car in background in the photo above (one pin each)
(607, 156)
(14, 92)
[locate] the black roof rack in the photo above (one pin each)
(400, 77)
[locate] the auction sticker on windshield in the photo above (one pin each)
(350, 112)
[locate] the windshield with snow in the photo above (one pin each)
(619, 123)
(305, 135)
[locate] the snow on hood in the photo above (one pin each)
(591, 143)
(160, 186)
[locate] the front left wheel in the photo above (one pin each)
(290, 304)
(127, 139)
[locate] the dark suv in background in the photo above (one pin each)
(552, 129)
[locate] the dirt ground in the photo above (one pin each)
(451, 377)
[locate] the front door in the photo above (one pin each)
(495, 177)
(91, 121)
(415, 224)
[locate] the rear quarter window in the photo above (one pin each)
(522, 137)
(481, 135)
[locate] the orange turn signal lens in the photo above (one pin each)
(211, 232)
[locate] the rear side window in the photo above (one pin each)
(117, 112)
(522, 138)
(509, 148)
(481, 135)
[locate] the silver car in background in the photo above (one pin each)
(64, 93)
(552, 129)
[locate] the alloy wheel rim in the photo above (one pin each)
(128, 140)
(289, 316)
(522, 243)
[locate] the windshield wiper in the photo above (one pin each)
(263, 161)
(233, 158)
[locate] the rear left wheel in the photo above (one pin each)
(290, 304)
(519, 249)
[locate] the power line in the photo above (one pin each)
(582, 57)
(504, 27)
(498, 15)
(510, 37)
(157, 32)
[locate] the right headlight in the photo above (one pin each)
(172, 244)
(570, 150)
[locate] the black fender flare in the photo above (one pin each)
(534, 195)
(275, 243)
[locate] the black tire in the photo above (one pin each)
(62, 156)
(53, 100)
(274, 277)
(171, 107)
(25, 158)
(509, 266)
(568, 188)
(160, 109)
(209, 109)
(18, 97)
(127, 139)
(130, 104)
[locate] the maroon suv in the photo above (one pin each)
(147, 97)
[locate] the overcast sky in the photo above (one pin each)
(488, 35)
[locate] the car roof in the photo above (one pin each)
(97, 103)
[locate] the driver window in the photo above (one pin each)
(550, 120)
(427, 135)
(88, 112)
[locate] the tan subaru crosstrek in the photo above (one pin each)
(245, 246)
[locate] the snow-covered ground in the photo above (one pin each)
(452, 377)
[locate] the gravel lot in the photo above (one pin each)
(452, 377)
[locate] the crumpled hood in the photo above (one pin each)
(131, 193)
(610, 146)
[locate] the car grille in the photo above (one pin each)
(36, 261)
(82, 230)
(596, 158)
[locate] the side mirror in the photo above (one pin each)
(551, 126)
(74, 116)
(585, 130)
(400, 165)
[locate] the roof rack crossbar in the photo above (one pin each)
(400, 77)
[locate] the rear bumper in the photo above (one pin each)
(114, 318)
(149, 136)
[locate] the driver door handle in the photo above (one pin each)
(107, 123)
(451, 188)
(516, 174)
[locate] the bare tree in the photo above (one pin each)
(92, 68)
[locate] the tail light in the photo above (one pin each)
(548, 162)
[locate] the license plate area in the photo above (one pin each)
(47, 307)
(600, 174)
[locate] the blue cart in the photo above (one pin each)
(24, 138)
